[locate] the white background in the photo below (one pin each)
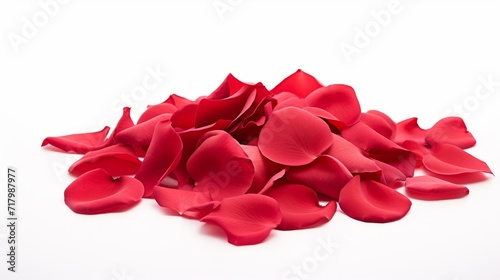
(77, 70)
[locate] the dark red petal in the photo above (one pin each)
(431, 188)
(96, 192)
(325, 175)
(300, 207)
(230, 86)
(450, 130)
(339, 100)
(220, 167)
(140, 135)
(370, 201)
(117, 160)
(294, 137)
(247, 219)
(156, 110)
(351, 156)
(185, 117)
(299, 83)
(409, 130)
(447, 159)
(187, 203)
(162, 157)
(79, 143)
(378, 124)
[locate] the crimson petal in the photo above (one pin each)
(294, 137)
(370, 201)
(377, 123)
(123, 123)
(156, 110)
(450, 130)
(96, 192)
(79, 143)
(447, 159)
(299, 83)
(339, 100)
(140, 135)
(220, 167)
(300, 207)
(247, 219)
(409, 130)
(162, 157)
(325, 175)
(264, 168)
(117, 160)
(187, 203)
(431, 188)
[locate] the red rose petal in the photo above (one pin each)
(409, 130)
(220, 167)
(370, 201)
(230, 86)
(140, 135)
(387, 119)
(451, 130)
(339, 100)
(156, 110)
(287, 99)
(447, 159)
(187, 203)
(299, 83)
(123, 123)
(294, 137)
(247, 219)
(430, 188)
(378, 124)
(300, 207)
(264, 168)
(185, 117)
(162, 157)
(117, 160)
(390, 176)
(325, 175)
(178, 101)
(79, 143)
(96, 192)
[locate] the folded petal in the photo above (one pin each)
(117, 160)
(247, 219)
(431, 188)
(370, 201)
(377, 123)
(229, 87)
(450, 130)
(190, 204)
(294, 137)
(96, 192)
(162, 157)
(79, 143)
(300, 207)
(326, 175)
(387, 119)
(220, 167)
(178, 101)
(123, 123)
(140, 135)
(390, 175)
(339, 100)
(409, 130)
(447, 159)
(264, 168)
(299, 83)
(287, 99)
(156, 110)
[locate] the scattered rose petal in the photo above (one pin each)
(409, 130)
(79, 143)
(187, 203)
(430, 188)
(451, 130)
(96, 192)
(300, 207)
(447, 159)
(299, 83)
(370, 201)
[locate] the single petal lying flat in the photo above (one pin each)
(431, 188)
(79, 143)
(448, 159)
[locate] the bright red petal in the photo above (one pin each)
(247, 219)
(447, 159)
(264, 168)
(409, 130)
(339, 100)
(300, 207)
(96, 192)
(220, 167)
(378, 124)
(140, 135)
(325, 175)
(162, 157)
(294, 137)
(187, 203)
(370, 201)
(299, 83)
(451, 130)
(123, 123)
(156, 110)
(79, 143)
(117, 160)
(430, 188)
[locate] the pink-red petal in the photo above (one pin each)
(299, 83)
(187, 203)
(447, 159)
(294, 137)
(247, 219)
(370, 201)
(300, 207)
(96, 192)
(79, 143)
(409, 130)
(431, 188)
(450, 130)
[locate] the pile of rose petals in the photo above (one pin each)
(250, 160)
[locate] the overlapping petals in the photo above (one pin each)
(250, 160)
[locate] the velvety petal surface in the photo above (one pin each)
(447, 159)
(431, 188)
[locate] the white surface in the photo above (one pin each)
(72, 75)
